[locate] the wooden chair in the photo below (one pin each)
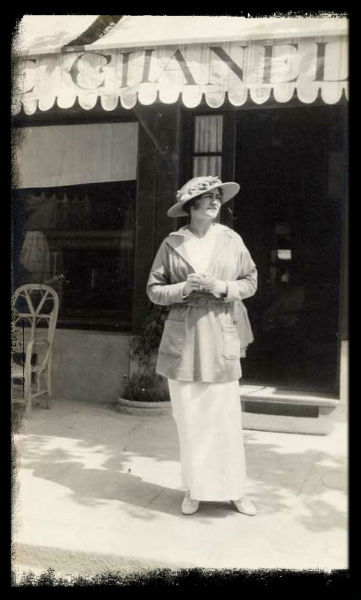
(35, 313)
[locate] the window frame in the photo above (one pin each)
(195, 154)
(229, 140)
(107, 238)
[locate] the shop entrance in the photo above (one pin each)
(289, 213)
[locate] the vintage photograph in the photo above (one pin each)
(179, 260)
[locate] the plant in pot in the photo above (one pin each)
(144, 391)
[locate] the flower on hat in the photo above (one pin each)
(204, 184)
(200, 186)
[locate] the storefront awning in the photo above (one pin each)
(254, 60)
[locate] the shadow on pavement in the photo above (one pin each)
(93, 462)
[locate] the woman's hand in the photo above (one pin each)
(211, 284)
(192, 284)
(202, 282)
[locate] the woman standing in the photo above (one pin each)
(203, 271)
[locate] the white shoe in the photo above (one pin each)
(189, 506)
(245, 506)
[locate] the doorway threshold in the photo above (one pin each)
(270, 408)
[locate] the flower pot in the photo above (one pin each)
(134, 407)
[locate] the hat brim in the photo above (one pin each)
(229, 189)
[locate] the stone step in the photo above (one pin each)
(270, 408)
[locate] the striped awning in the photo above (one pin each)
(234, 64)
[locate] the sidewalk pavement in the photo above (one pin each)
(99, 491)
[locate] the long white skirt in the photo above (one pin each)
(209, 423)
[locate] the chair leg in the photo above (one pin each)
(27, 393)
(48, 383)
(27, 379)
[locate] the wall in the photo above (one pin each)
(89, 365)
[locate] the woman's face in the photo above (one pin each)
(207, 205)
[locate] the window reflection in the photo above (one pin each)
(80, 240)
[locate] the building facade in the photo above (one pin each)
(107, 133)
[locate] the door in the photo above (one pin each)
(289, 216)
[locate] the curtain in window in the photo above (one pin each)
(208, 131)
(35, 256)
(207, 165)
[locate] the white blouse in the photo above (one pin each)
(200, 249)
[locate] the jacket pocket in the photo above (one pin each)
(172, 341)
(231, 342)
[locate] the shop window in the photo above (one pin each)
(80, 240)
(207, 145)
(74, 219)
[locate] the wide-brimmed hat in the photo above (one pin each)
(197, 186)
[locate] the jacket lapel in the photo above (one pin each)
(178, 241)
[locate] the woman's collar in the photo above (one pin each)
(185, 231)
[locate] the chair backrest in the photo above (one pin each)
(34, 304)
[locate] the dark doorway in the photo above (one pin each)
(289, 163)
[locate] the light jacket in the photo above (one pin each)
(204, 337)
